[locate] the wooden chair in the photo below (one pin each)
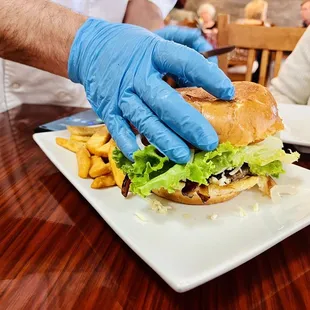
(268, 39)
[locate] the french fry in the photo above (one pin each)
(98, 140)
(70, 145)
(91, 144)
(84, 131)
(103, 151)
(117, 173)
(79, 138)
(98, 167)
(103, 181)
(83, 161)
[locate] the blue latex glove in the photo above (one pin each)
(121, 67)
(189, 37)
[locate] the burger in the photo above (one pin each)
(249, 153)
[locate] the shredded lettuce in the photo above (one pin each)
(151, 171)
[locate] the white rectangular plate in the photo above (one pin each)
(184, 246)
(296, 119)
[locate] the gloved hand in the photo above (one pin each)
(121, 67)
(187, 36)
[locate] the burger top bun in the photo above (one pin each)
(250, 117)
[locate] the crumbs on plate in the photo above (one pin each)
(158, 207)
(213, 217)
(141, 217)
(242, 212)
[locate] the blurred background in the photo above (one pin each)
(280, 12)
(264, 33)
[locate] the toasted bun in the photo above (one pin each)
(251, 117)
(217, 194)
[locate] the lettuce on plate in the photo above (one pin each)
(151, 170)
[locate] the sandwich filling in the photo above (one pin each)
(224, 166)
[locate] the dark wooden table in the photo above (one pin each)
(57, 253)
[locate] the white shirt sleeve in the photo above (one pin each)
(293, 82)
(165, 6)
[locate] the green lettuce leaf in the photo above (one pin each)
(274, 169)
(268, 151)
(147, 165)
(170, 180)
(151, 171)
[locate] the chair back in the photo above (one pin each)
(275, 40)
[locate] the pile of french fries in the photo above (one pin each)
(94, 148)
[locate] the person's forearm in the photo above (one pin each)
(145, 14)
(38, 33)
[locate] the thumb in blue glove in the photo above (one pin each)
(121, 67)
(187, 36)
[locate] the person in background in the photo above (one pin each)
(292, 85)
(255, 13)
(305, 13)
(206, 19)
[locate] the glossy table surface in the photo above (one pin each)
(57, 253)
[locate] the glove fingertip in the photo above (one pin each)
(228, 93)
(208, 140)
(180, 155)
(123, 135)
(212, 146)
(128, 147)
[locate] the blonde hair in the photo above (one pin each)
(256, 9)
(303, 2)
(206, 7)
